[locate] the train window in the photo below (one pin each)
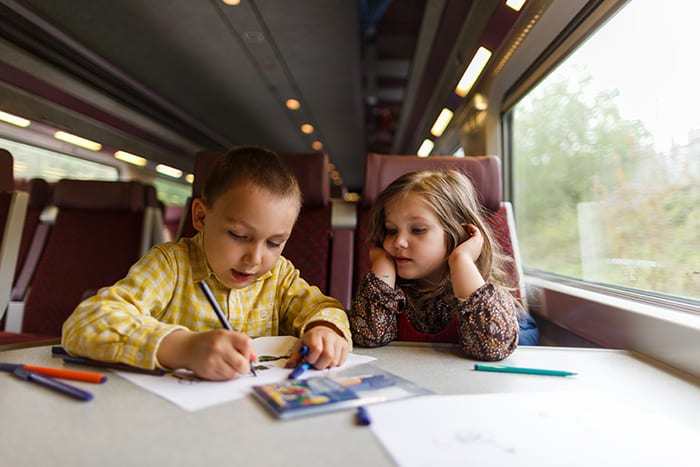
(172, 193)
(34, 162)
(606, 157)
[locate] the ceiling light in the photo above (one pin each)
(189, 178)
(481, 102)
(317, 145)
(130, 158)
(476, 66)
(14, 119)
(292, 104)
(307, 128)
(515, 4)
(231, 2)
(77, 140)
(441, 122)
(425, 148)
(168, 171)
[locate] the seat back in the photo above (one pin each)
(483, 171)
(154, 222)
(172, 217)
(311, 246)
(39, 197)
(96, 237)
(13, 208)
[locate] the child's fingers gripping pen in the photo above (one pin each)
(297, 357)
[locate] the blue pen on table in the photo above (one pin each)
(220, 314)
(517, 369)
(26, 375)
(298, 371)
(363, 416)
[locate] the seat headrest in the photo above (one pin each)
(203, 163)
(99, 195)
(7, 182)
(310, 169)
(39, 193)
(483, 171)
(151, 196)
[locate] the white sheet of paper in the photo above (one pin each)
(191, 393)
(542, 429)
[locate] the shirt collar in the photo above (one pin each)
(200, 268)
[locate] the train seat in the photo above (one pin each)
(173, 217)
(154, 220)
(485, 174)
(97, 235)
(322, 254)
(34, 229)
(13, 209)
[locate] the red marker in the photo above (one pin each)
(58, 372)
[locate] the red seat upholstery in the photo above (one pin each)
(483, 171)
(96, 237)
(173, 217)
(39, 197)
(313, 246)
(13, 208)
(154, 227)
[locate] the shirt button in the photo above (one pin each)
(139, 356)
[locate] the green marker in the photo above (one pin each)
(516, 369)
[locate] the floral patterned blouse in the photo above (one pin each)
(487, 322)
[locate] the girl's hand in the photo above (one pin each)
(472, 246)
(382, 265)
(214, 355)
(466, 277)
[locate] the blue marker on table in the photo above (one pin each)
(363, 416)
(298, 371)
(67, 389)
(220, 314)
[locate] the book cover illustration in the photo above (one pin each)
(357, 386)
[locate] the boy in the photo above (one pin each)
(157, 316)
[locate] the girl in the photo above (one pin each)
(436, 272)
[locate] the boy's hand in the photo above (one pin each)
(327, 348)
(214, 355)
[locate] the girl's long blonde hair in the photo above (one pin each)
(451, 195)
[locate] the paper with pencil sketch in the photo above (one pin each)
(569, 428)
(191, 393)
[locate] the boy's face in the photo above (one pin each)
(244, 232)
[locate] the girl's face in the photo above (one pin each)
(244, 232)
(415, 238)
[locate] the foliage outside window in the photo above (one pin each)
(606, 156)
(172, 193)
(34, 162)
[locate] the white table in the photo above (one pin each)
(126, 425)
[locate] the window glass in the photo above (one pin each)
(33, 162)
(172, 193)
(606, 156)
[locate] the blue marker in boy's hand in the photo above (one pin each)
(298, 371)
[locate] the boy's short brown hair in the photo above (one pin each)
(250, 165)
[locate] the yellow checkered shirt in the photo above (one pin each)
(127, 321)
